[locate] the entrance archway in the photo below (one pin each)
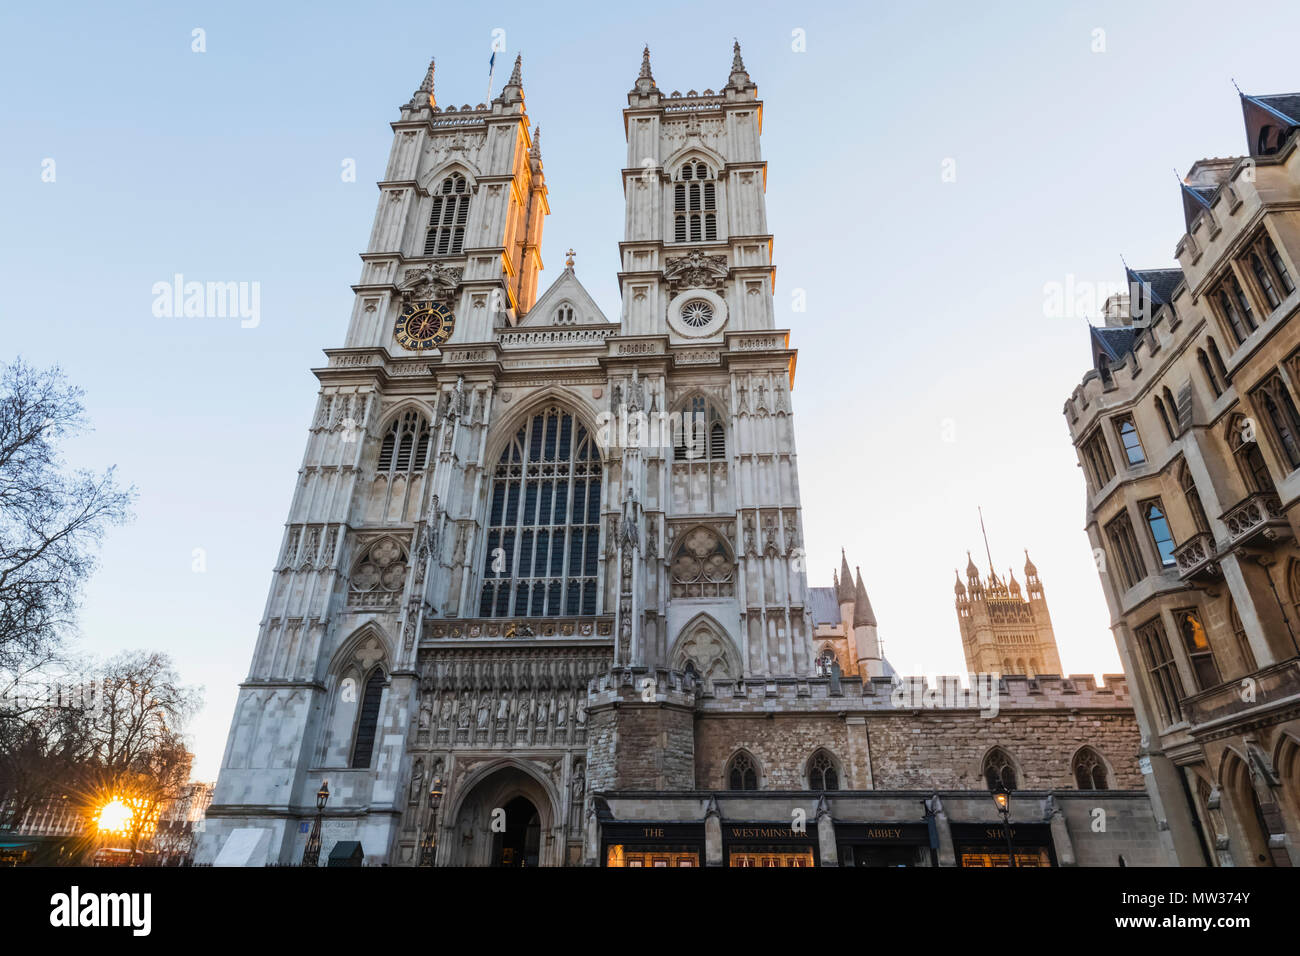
(505, 816)
(520, 842)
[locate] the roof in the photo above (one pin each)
(1116, 342)
(1161, 283)
(1196, 199)
(824, 606)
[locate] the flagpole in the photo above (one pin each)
(492, 68)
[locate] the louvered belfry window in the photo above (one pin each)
(405, 446)
(447, 218)
(695, 205)
(543, 538)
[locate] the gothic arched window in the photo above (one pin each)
(742, 774)
(999, 771)
(447, 218)
(1239, 629)
(544, 521)
(363, 746)
(823, 772)
(1089, 770)
(1210, 375)
(695, 204)
(1250, 461)
(405, 446)
(700, 432)
(1193, 498)
(1282, 415)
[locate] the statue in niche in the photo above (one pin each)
(417, 781)
(484, 709)
(426, 710)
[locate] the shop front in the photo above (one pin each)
(768, 844)
(884, 844)
(980, 845)
(653, 844)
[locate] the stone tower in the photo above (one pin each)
(1001, 630)
(518, 524)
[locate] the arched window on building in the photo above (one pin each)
(700, 432)
(1089, 770)
(823, 772)
(999, 771)
(742, 772)
(1197, 644)
(1217, 357)
(1265, 281)
(695, 204)
(1239, 630)
(1279, 266)
(1210, 374)
(1165, 420)
(543, 528)
(1153, 513)
(1282, 416)
(1193, 498)
(405, 446)
(448, 217)
(363, 745)
(1250, 461)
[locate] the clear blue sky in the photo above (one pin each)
(925, 297)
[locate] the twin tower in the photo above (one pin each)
(483, 529)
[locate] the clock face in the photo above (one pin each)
(424, 325)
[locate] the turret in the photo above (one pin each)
(866, 641)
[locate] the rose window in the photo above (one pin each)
(697, 313)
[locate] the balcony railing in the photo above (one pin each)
(1257, 519)
(1196, 557)
(1268, 687)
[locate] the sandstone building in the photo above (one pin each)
(1188, 434)
(547, 564)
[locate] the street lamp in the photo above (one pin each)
(311, 855)
(429, 845)
(1002, 799)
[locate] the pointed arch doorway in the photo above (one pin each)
(505, 817)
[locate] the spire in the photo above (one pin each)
(958, 589)
(425, 93)
(992, 575)
(739, 79)
(863, 615)
(844, 591)
(536, 151)
(972, 572)
(513, 91)
(1030, 570)
(1015, 585)
(645, 81)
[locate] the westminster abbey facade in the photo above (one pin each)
(540, 598)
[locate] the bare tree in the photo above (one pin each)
(51, 517)
(134, 744)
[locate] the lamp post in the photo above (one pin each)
(1002, 798)
(311, 855)
(429, 845)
